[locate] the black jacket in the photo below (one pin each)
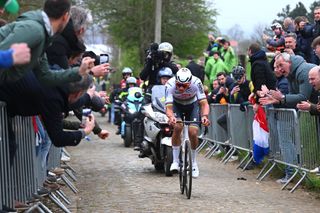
(196, 70)
(151, 70)
(261, 72)
(28, 97)
(63, 45)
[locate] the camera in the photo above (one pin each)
(154, 54)
(104, 58)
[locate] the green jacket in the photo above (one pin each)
(213, 67)
(31, 28)
(230, 58)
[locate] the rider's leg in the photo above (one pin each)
(176, 141)
(193, 135)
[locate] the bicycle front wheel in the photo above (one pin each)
(188, 169)
(181, 171)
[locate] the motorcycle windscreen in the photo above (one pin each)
(158, 97)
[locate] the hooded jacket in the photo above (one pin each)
(261, 72)
(299, 87)
(31, 28)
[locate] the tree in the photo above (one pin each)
(236, 33)
(310, 14)
(131, 24)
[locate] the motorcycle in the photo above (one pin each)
(132, 118)
(157, 143)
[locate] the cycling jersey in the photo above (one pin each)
(192, 94)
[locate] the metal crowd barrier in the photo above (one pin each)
(54, 157)
(293, 140)
(6, 193)
(309, 139)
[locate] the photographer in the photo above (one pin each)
(157, 58)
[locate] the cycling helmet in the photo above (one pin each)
(165, 72)
(276, 25)
(127, 70)
(165, 47)
(131, 80)
(183, 75)
(238, 72)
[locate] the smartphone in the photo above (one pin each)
(104, 58)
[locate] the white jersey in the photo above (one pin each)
(193, 93)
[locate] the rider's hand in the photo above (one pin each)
(172, 120)
(205, 121)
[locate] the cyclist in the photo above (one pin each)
(164, 75)
(184, 94)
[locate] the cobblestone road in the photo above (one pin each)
(111, 178)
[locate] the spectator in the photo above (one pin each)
(291, 45)
(49, 103)
(316, 46)
(226, 84)
(28, 28)
(277, 42)
(214, 65)
(312, 104)
(303, 39)
(288, 25)
(213, 94)
(296, 69)
(228, 55)
(282, 82)
(195, 68)
(261, 72)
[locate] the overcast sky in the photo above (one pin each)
(248, 13)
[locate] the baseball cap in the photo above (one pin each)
(10, 6)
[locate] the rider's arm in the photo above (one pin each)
(169, 110)
(204, 107)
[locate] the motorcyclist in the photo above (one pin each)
(122, 94)
(126, 72)
(184, 94)
(157, 58)
(165, 74)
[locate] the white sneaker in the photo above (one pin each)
(315, 170)
(195, 171)
(233, 158)
(65, 158)
(174, 167)
(216, 152)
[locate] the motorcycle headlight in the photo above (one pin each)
(132, 111)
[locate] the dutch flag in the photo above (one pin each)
(260, 135)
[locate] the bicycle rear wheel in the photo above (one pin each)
(188, 169)
(181, 172)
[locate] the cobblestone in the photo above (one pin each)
(111, 178)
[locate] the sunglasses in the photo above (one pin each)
(179, 85)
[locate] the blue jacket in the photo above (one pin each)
(6, 59)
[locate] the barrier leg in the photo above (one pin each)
(69, 184)
(67, 166)
(249, 161)
(211, 150)
(56, 200)
(63, 197)
(290, 179)
(71, 175)
(269, 170)
(233, 151)
(46, 209)
(243, 160)
(262, 170)
(226, 155)
(202, 145)
(304, 175)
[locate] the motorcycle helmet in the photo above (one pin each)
(165, 72)
(276, 26)
(131, 80)
(126, 70)
(165, 47)
(238, 72)
(183, 76)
